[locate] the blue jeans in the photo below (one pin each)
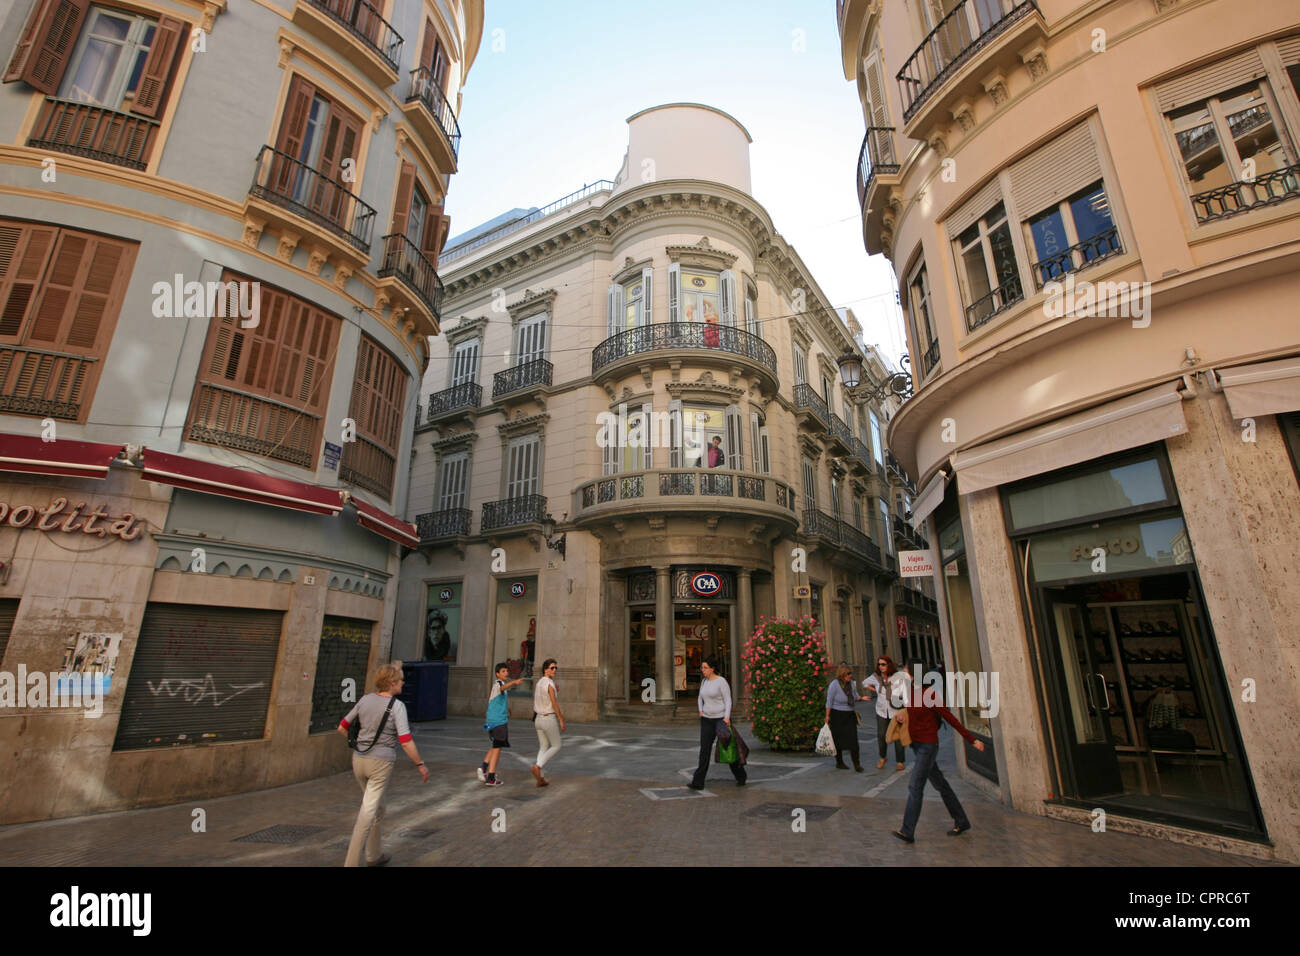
(926, 768)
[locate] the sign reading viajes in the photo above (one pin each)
(917, 564)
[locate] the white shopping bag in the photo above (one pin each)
(825, 742)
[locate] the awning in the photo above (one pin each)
(931, 497)
(239, 483)
(64, 457)
(1267, 388)
(381, 522)
(1149, 416)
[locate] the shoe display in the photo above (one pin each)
(1148, 627)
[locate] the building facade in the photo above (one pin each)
(635, 443)
(218, 252)
(1093, 211)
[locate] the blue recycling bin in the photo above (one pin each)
(425, 689)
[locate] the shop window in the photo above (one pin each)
(343, 655)
(515, 642)
(378, 397)
(442, 622)
(641, 651)
(961, 623)
(1290, 425)
(8, 614)
(1064, 498)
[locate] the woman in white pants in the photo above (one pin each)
(548, 720)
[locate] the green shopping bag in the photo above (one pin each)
(728, 752)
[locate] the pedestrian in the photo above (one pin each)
(885, 682)
(714, 702)
(841, 713)
(923, 726)
(498, 724)
(383, 726)
(548, 719)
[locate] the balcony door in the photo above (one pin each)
(522, 461)
(530, 340)
(452, 482)
(319, 135)
(464, 363)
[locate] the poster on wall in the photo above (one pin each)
(442, 622)
(89, 660)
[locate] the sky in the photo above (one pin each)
(546, 105)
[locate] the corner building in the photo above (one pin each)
(1112, 488)
(657, 311)
(219, 229)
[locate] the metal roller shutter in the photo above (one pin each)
(973, 208)
(1059, 169)
(8, 612)
(1209, 80)
(344, 653)
(200, 674)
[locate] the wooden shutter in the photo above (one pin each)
(676, 428)
(82, 293)
(735, 446)
(428, 45)
(1057, 170)
(436, 226)
(1289, 49)
(615, 323)
(1209, 80)
(674, 292)
(402, 204)
(969, 211)
(342, 139)
(647, 436)
(647, 295)
(293, 125)
(24, 250)
(727, 287)
(151, 94)
(378, 394)
(46, 43)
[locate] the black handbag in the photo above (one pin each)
(354, 731)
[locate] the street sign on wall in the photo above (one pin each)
(916, 564)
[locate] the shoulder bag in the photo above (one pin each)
(354, 732)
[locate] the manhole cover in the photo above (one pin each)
(785, 811)
(280, 833)
(674, 793)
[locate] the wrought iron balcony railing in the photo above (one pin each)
(820, 524)
(985, 307)
(443, 524)
(859, 543)
(966, 29)
(647, 487)
(528, 375)
(930, 358)
(95, 132)
(512, 512)
(1265, 190)
(464, 395)
(876, 156)
(666, 336)
(1078, 256)
(412, 267)
(45, 383)
(841, 432)
(465, 248)
(363, 21)
(282, 180)
(806, 397)
(425, 88)
(862, 453)
(253, 423)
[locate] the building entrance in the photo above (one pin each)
(699, 631)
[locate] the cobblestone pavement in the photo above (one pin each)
(617, 797)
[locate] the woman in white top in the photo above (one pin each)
(548, 719)
(886, 681)
(715, 709)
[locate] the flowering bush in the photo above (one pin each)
(786, 671)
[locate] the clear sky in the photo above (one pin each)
(546, 106)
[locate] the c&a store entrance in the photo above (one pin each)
(703, 613)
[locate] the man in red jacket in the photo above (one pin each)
(923, 727)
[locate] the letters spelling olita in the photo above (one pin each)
(53, 518)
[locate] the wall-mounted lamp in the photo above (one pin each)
(548, 532)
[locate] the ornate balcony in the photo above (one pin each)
(914, 599)
(1265, 190)
(48, 384)
(513, 513)
(859, 544)
(123, 139)
(233, 419)
(841, 435)
(452, 523)
(684, 491)
(697, 342)
(877, 166)
(985, 35)
(409, 282)
(297, 200)
(860, 458)
(354, 29)
(1079, 256)
(427, 109)
(459, 401)
(930, 358)
(983, 309)
(810, 408)
(532, 376)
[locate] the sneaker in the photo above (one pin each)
(482, 774)
(494, 783)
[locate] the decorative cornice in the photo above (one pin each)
(467, 329)
(523, 425)
(460, 441)
(631, 270)
(705, 385)
(701, 254)
(799, 332)
(531, 304)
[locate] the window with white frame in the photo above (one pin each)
(1072, 234)
(922, 318)
(758, 444)
(987, 268)
(857, 512)
(751, 315)
(886, 536)
(453, 481)
(633, 451)
(694, 446)
(523, 461)
(828, 391)
(877, 443)
(530, 339)
(106, 67)
(464, 362)
(800, 365)
(835, 497)
(809, 483)
(631, 303)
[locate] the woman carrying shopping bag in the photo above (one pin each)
(842, 717)
(715, 713)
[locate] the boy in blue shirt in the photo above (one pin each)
(497, 725)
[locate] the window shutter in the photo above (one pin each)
(293, 125)
(1289, 49)
(1060, 169)
(727, 286)
(402, 202)
(46, 44)
(435, 233)
(983, 200)
(755, 442)
(767, 459)
(378, 394)
(675, 428)
(615, 309)
(647, 295)
(24, 250)
(751, 321)
(674, 292)
(1209, 80)
(82, 292)
(342, 140)
(647, 436)
(427, 44)
(151, 94)
(735, 447)
(609, 451)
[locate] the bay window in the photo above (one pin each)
(987, 268)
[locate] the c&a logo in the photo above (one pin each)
(706, 583)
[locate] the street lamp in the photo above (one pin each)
(851, 372)
(850, 367)
(548, 532)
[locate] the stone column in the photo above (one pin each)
(745, 609)
(873, 610)
(664, 677)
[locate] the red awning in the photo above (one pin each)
(65, 457)
(239, 483)
(381, 522)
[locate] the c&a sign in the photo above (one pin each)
(54, 518)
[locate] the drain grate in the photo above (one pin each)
(282, 833)
(784, 811)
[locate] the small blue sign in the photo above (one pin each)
(706, 584)
(332, 455)
(518, 589)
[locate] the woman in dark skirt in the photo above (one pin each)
(841, 701)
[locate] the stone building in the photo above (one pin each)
(633, 421)
(219, 229)
(1093, 211)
